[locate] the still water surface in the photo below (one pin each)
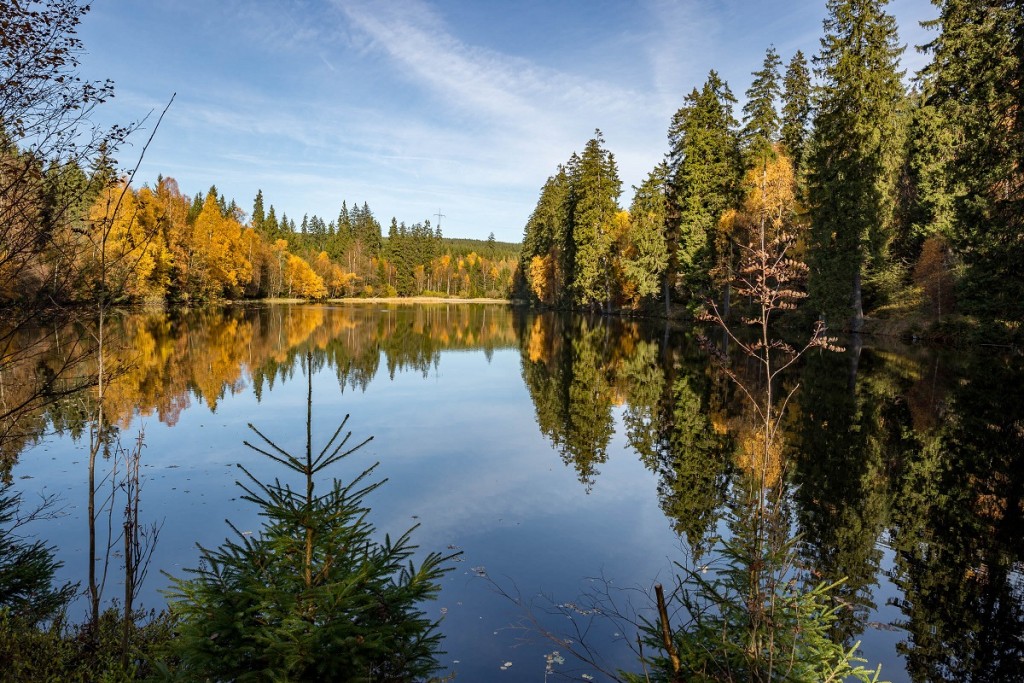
(565, 454)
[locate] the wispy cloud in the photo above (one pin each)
(504, 88)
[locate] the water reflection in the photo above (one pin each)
(159, 363)
(902, 468)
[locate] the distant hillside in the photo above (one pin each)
(460, 246)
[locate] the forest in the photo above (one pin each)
(895, 203)
(905, 202)
(75, 230)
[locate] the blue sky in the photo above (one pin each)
(416, 106)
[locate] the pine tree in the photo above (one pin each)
(314, 595)
(796, 108)
(976, 81)
(760, 118)
(855, 155)
(704, 173)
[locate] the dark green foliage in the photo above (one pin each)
(854, 156)
(704, 175)
(760, 118)
(958, 526)
(925, 201)
(750, 619)
(646, 257)
(313, 595)
(976, 82)
(796, 108)
(461, 246)
(27, 568)
(36, 642)
(60, 652)
(258, 217)
(594, 189)
(546, 235)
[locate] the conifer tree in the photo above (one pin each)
(27, 568)
(976, 81)
(258, 216)
(344, 222)
(595, 189)
(704, 173)
(926, 202)
(855, 156)
(544, 243)
(271, 227)
(646, 258)
(796, 108)
(314, 595)
(760, 117)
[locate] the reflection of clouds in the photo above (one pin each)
(460, 447)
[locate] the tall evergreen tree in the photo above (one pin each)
(271, 225)
(977, 80)
(760, 117)
(544, 242)
(258, 215)
(796, 108)
(704, 174)
(855, 156)
(925, 201)
(595, 190)
(646, 257)
(344, 222)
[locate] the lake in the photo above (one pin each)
(568, 458)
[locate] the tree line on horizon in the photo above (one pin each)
(902, 201)
(131, 245)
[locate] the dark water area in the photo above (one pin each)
(566, 457)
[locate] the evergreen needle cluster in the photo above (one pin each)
(314, 595)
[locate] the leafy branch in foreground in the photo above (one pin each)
(313, 595)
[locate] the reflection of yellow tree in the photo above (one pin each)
(155, 364)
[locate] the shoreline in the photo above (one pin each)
(381, 300)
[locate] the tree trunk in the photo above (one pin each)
(857, 321)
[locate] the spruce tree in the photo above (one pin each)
(595, 192)
(27, 568)
(646, 258)
(855, 156)
(760, 117)
(544, 243)
(796, 108)
(271, 227)
(704, 174)
(314, 595)
(344, 222)
(976, 81)
(926, 202)
(258, 216)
